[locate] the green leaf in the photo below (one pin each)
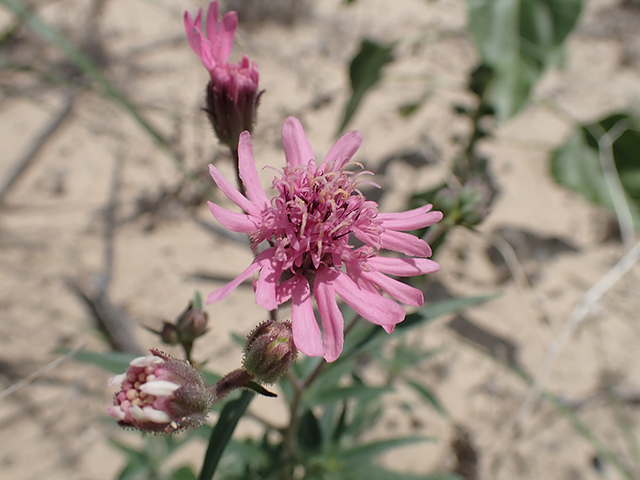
(365, 73)
(517, 39)
(222, 432)
(336, 394)
(134, 470)
(374, 472)
(576, 165)
(84, 63)
(183, 473)
(114, 362)
(341, 424)
(369, 451)
(429, 397)
(367, 337)
(197, 301)
(309, 434)
(432, 311)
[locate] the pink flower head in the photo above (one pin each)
(232, 93)
(159, 393)
(308, 225)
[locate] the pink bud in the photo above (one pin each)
(232, 100)
(232, 93)
(160, 394)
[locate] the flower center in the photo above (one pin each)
(313, 215)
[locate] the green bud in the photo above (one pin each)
(446, 200)
(269, 351)
(474, 202)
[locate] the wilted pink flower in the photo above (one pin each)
(232, 93)
(308, 225)
(159, 393)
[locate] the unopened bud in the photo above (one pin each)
(475, 198)
(446, 200)
(160, 394)
(169, 334)
(269, 351)
(232, 100)
(191, 324)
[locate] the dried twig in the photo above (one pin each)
(578, 315)
(612, 179)
(40, 372)
(37, 145)
(521, 280)
(112, 322)
(110, 225)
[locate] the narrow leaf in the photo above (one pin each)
(361, 392)
(309, 434)
(113, 362)
(183, 473)
(371, 450)
(429, 397)
(222, 432)
(372, 336)
(197, 301)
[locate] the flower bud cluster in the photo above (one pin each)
(468, 205)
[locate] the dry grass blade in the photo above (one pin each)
(36, 147)
(577, 316)
(40, 372)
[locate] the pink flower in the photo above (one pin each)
(232, 93)
(159, 393)
(307, 226)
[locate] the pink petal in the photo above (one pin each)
(306, 333)
(406, 215)
(212, 22)
(268, 280)
(403, 267)
(225, 36)
(400, 291)
(332, 320)
(284, 291)
(232, 193)
(297, 149)
(223, 292)
(344, 148)
(404, 243)
(395, 221)
(193, 34)
(372, 306)
(249, 174)
(236, 222)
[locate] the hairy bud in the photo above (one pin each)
(269, 351)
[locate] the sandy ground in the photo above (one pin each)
(52, 223)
